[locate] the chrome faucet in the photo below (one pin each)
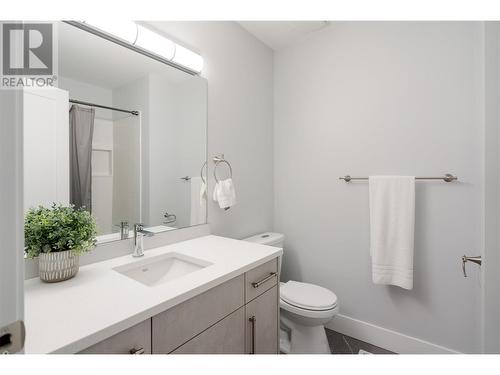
(139, 234)
(123, 229)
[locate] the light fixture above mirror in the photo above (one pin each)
(154, 42)
(143, 40)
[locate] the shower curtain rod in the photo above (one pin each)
(135, 113)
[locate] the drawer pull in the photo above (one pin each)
(137, 351)
(256, 284)
(253, 320)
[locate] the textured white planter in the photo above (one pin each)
(54, 267)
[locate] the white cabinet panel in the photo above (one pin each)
(46, 147)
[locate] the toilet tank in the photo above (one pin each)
(270, 239)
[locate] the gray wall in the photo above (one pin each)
(368, 98)
(239, 70)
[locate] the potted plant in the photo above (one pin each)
(57, 236)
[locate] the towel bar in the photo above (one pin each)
(447, 178)
(220, 159)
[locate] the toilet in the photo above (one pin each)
(305, 309)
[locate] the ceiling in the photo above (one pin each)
(279, 34)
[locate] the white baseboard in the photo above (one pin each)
(385, 338)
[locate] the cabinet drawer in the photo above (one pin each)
(179, 324)
(225, 337)
(260, 279)
(135, 340)
(261, 319)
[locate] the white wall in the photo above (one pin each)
(191, 144)
(135, 96)
(368, 98)
(127, 170)
(163, 157)
(239, 70)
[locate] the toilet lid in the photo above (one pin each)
(307, 296)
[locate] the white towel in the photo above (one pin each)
(392, 228)
(203, 192)
(224, 194)
(198, 201)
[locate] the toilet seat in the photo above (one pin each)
(314, 314)
(307, 296)
(308, 300)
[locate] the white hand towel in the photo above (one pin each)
(198, 204)
(224, 194)
(203, 192)
(392, 228)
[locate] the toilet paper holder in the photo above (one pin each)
(475, 259)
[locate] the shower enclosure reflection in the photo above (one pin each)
(105, 154)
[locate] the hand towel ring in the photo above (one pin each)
(201, 172)
(217, 162)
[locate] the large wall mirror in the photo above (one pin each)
(145, 124)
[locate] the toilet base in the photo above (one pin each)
(303, 339)
(285, 345)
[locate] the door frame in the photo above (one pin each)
(491, 202)
(11, 208)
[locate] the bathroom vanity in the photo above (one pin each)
(206, 295)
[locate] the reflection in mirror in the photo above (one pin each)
(129, 135)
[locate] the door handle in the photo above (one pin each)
(137, 351)
(272, 275)
(475, 259)
(12, 338)
(253, 322)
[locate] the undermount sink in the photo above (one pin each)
(162, 268)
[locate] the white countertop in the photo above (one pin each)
(99, 302)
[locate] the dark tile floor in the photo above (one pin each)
(342, 344)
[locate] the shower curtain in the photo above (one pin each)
(81, 122)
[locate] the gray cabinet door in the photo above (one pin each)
(181, 323)
(135, 340)
(225, 337)
(262, 323)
